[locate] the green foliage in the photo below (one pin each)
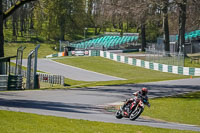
(60, 18)
(152, 32)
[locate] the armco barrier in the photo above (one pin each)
(3, 82)
(151, 65)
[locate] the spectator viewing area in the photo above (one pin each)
(193, 35)
(106, 41)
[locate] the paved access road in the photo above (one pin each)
(47, 65)
(87, 103)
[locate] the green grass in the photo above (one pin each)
(131, 73)
(193, 64)
(44, 50)
(13, 122)
(135, 52)
(69, 83)
(181, 108)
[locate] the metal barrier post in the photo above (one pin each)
(32, 81)
(18, 68)
(35, 68)
(29, 64)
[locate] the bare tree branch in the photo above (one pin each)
(15, 7)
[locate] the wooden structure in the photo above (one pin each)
(194, 57)
(8, 81)
(5, 65)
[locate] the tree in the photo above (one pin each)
(56, 19)
(140, 10)
(163, 6)
(96, 14)
(3, 16)
(165, 24)
(182, 5)
(136, 11)
(188, 19)
(1, 30)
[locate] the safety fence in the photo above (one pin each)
(48, 78)
(151, 65)
(163, 57)
(52, 79)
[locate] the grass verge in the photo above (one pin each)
(31, 123)
(182, 108)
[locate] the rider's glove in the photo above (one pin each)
(149, 105)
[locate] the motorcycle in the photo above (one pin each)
(132, 110)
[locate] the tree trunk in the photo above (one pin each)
(5, 24)
(121, 26)
(182, 23)
(166, 25)
(62, 28)
(5, 20)
(31, 23)
(14, 25)
(21, 26)
(127, 25)
(22, 21)
(62, 33)
(96, 28)
(143, 36)
(1, 31)
(1, 37)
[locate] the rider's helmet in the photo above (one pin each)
(144, 91)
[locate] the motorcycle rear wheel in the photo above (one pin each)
(136, 113)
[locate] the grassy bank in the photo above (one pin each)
(131, 73)
(44, 50)
(181, 109)
(31, 123)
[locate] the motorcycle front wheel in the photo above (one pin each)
(136, 113)
(118, 114)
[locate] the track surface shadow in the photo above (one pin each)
(84, 103)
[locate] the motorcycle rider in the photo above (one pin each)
(139, 94)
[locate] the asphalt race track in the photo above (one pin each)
(88, 103)
(52, 67)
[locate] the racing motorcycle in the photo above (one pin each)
(133, 109)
